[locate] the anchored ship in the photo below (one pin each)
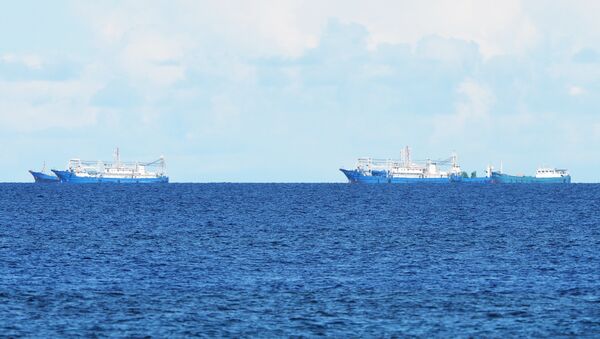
(405, 170)
(117, 171)
(44, 177)
(543, 175)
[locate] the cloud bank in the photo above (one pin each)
(291, 90)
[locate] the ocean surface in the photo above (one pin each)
(277, 260)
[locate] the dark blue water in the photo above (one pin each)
(303, 260)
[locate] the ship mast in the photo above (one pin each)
(162, 164)
(406, 156)
(117, 158)
(454, 159)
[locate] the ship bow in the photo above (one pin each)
(350, 174)
(62, 175)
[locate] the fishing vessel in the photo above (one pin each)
(44, 177)
(543, 175)
(405, 170)
(83, 171)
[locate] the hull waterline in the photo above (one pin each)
(71, 178)
(355, 176)
(500, 178)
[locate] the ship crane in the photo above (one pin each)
(160, 162)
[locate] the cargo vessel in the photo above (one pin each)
(543, 175)
(43, 177)
(82, 172)
(405, 170)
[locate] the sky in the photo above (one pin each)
(290, 91)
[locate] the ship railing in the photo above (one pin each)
(369, 164)
(121, 163)
(390, 164)
(157, 166)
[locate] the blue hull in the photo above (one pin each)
(71, 178)
(44, 178)
(499, 178)
(470, 180)
(355, 176)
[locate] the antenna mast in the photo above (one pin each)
(406, 156)
(117, 158)
(454, 160)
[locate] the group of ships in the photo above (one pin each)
(367, 171)
(405, 170)
(119, 172)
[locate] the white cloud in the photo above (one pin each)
(481, 67)
(155, 58)
(472, 112)
(289, 28)
(29, 60)
(32, 61)
(596, 131)
(478, 97)
(35, 105)
(497, 27)
(570, 25)
(576, 90)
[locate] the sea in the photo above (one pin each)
(299, 260)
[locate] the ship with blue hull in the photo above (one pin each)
(116, 172)
(42, 177)
(542, 176)
(407, 171)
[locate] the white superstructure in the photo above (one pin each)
(407, 168)
(117, 169)
(545, 172)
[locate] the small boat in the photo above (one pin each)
(43, 177)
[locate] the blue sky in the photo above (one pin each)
(289, 91)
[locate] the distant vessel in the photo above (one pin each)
(43, 177)
(405, 170)
(543, 175)
(82, 171)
